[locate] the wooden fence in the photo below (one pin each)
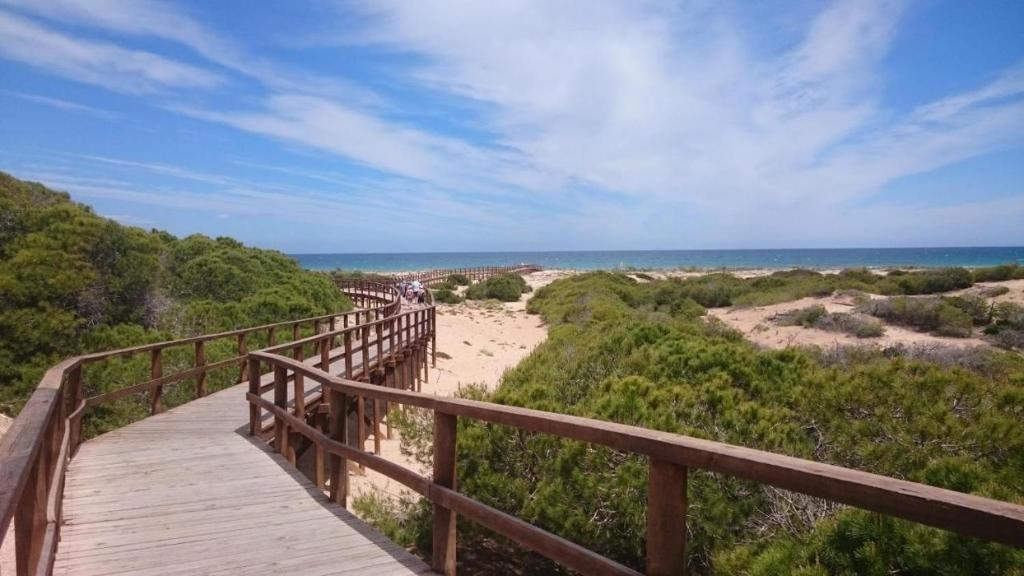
(393, 352)
(435, 277)
(35, 452)
(671, 456)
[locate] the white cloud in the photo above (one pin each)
(672, 105)
(169, 21)
(62, 104)
(626, 118)
(95, 62)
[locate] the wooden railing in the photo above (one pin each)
(394, 352)
(35, 452)
(671, 456)
(434, 277)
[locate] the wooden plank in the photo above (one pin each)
(444, 538)
(666, 519)
(196, 507)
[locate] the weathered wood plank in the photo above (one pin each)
(181, 492)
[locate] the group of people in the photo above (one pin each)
(413, 292)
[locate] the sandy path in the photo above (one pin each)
(481, 340)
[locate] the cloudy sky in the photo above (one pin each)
(430, 126)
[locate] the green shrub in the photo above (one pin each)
(459, 280)
(925, 281)
(818, 317)
(1008, 338)
(858, 275)
(446, 296)
(993, 291)
(805, 317)
(853, 324)
(1008, 314)
(998, 273)
(974, 306)
(924, 314)
(404, 521)
(506, 288)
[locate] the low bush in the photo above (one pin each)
(976, 307)
(854, 324)
(925, 314)
(1008, 338)
(998, 273)
(805, 317)
(506, 288)
(924, 281)
(459, 280)
(992, 291)
(1009, 315)
(446, 296)
(818, 317)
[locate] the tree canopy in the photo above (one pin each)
(72, 281)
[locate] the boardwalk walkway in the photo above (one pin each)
(185, 492)
(188, 492)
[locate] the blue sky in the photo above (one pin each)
(433, 126)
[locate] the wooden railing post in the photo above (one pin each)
(445, 426)
(156, 370)
(325, 354)
(380, 345)
(242, 373)
(365, 347)
(300, 385)
(281, 400)
(666, 519)
(76, 393)
(30, 518)
(201, 377)
(271, 336)
(255, 415)
(433, 337)
(339, 432)
(348, 354)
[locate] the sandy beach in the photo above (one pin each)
(476, 343)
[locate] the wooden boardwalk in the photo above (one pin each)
(188, 492)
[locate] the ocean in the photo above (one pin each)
(652, 259)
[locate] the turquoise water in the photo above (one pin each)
(590, 260)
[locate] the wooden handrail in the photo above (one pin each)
(671, 455)
(433, 277)
(36, 449)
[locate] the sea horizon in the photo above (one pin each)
(738, 259)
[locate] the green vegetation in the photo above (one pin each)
(818, 317)
(954, 316)
(360, 275)
(1007, 327)
(998, 273)
(934, 315)
(74, 282)
(459, 280)
(446, 296)
(723, 289)
(639, 353)
(506, 288)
